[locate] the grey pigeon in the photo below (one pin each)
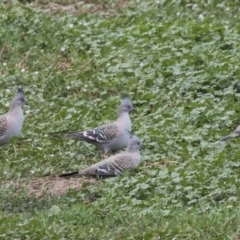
(115, 165)
(235, 134)
(12, 121)
(113, 136)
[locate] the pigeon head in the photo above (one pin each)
(134, 143)
(126, 105)
(19, 100)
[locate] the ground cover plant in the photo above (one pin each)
(179, 62)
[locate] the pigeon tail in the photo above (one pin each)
(72, 174)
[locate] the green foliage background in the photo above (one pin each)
(179, 62)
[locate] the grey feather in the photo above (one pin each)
(3, 125)
(115, 165)
(113, 136)
(12, 121)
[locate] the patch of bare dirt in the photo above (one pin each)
(81, 7)
(236, 237)
(55, 186)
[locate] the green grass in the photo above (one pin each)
(179, 62)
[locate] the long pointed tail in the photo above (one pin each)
(231, 136)
(226, 138)
(76, 135)
(72, 174)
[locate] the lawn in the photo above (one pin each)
(179, 62)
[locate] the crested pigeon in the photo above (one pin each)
(12, 121)
(114, 166)
(235, 134)
(113, 136)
